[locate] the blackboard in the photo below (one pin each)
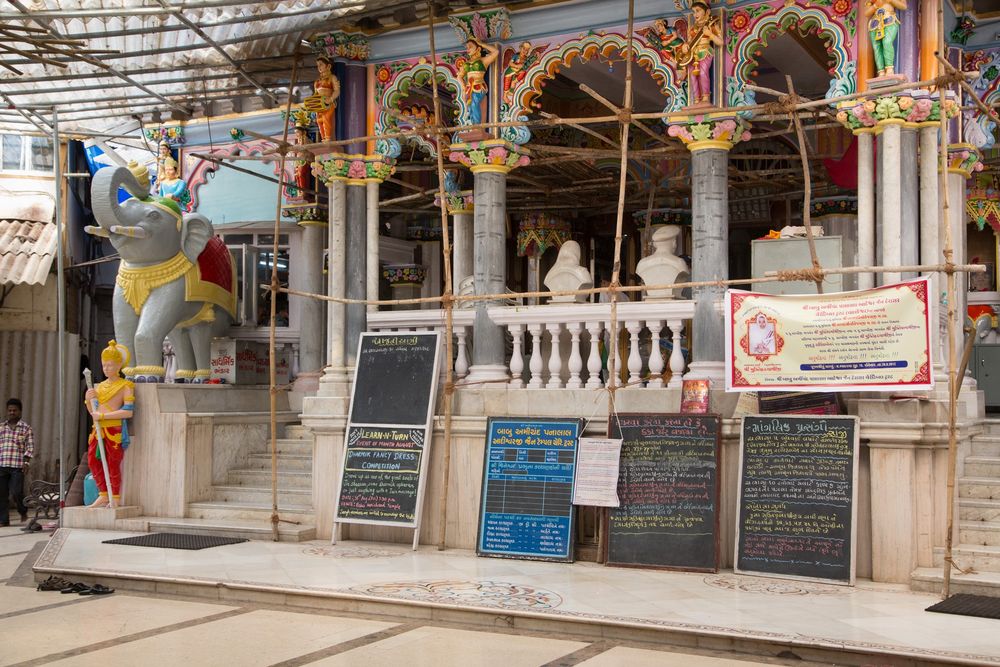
(799, 403)
(526, 509)
(395, 378)
(387, 438)
(668, 485)
(798, 493)
(381, 476)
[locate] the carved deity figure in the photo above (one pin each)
(473, 76)
(162, 155)
(110, 403)
(303, 162)
(567, 275)
(173, 186)
(883, 27)
(662, 266)
(516, 70)
(696, 55)
(323, 101)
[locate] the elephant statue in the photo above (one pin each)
(176, 278)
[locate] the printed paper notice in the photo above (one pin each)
(597, 472)
(875, 340)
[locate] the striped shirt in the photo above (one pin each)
(17, 443)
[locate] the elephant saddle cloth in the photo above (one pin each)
(211, 280)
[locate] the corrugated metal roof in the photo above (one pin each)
(27, 240)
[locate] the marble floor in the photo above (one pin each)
(871, 618)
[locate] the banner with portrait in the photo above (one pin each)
(868, 340)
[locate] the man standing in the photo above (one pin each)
(17, 445)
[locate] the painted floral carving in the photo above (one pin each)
(497, 153)
(355, 167)
(730, 129)
(910, 107)
(399, 275)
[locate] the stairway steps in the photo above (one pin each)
(991, 426)
(261, 495)
(297, 432)
(978, 510)
(982, 466)
(256, 478)
(979, 557)
(985, 533)
(249, 511)
(294, 447)
(986, 445)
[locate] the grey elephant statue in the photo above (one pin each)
(176, 278)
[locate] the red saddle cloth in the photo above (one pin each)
(216, 264)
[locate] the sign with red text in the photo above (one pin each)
(874, 340)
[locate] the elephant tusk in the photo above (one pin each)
(97, 231)
(131, 232)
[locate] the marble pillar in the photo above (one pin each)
(371, 242)
(930, 237)
(909, 192)
(907, 46)
(311, 325)
(709, 256)
(354, 103)
(462, 246)
(866, 207)
(334, 380)
(356, 278)
(891, 202)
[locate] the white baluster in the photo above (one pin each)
(535, 363)
(575, 360)
(594, 358)
(517, 357)
(676, 356)
(555, 359)
(634, 360)
(462, 355)
(655, 355)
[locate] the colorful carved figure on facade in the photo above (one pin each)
(883, 27)
(303, 163)
(110, 403)
(323, 101)
(695, 56)
(473, 76)
(175, 278)
(668, 41)
(162, 155)
(517, 70)
(173, 186)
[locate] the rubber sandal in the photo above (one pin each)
(75, 588)
(54, 583)
(98, 589)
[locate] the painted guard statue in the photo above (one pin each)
(110, 403)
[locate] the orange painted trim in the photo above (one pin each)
(370, 107)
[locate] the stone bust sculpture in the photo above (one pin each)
(567, 274)
(663, 267)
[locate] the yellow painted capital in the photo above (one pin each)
(863, 130)
(356, 181)
(311, 223)
(707, 144)
(490, 169)
(459, 211)
(373, 180)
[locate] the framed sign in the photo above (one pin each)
(526, 508)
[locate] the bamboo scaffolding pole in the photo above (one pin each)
(272, 377)
(449, 386)
(806, 175)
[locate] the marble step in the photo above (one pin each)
(991, 426)
(286, 462)
(986, 445)
(978, 510)
(253, 511)
(979, 558)
(984, 488)
(262, 478)
(285, 446)
(297, 432)
(930, 579)
(982, 466)
(245, 529)
(986, 533)
(261, 495)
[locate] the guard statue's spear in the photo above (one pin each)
(100, 438)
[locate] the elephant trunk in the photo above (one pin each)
(105, 187)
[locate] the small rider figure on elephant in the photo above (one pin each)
(176, 278)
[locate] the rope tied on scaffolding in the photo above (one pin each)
(785, 104)
(809, 275)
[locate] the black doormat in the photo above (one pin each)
(177, 541)
(969, 605)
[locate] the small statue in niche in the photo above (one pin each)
(110, 403)
(883, 27)
(567, 275)
(303, 162)
(517, 70)
(323, 101)
(663, 267)
(696, 55)
(473, 76)
(162, 155)
(173, 186)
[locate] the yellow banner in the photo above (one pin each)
(871, 340)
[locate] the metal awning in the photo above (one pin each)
(27, 239)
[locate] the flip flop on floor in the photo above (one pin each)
(98, 589)
(75, 588)
(54, 583)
